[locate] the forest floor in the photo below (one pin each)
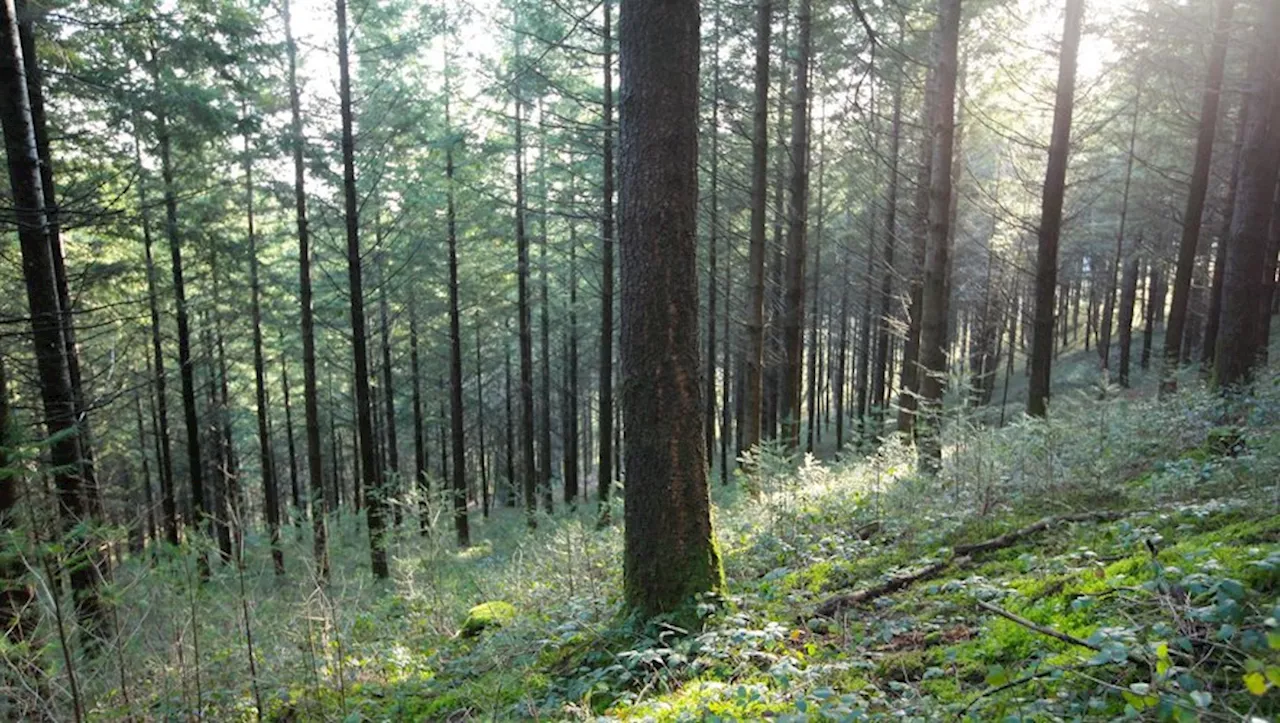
(1121, 561)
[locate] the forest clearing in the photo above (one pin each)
(650, 360)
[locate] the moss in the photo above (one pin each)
(487, 615)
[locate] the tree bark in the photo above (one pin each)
(1051, 214)
(933, 305)
(797, 229)
(670, 553)
(269, 487)
(374, 495)
(310, 392)
(529, 465)
(604, 474)
(753, 368)
(1128, 294)
(1194, 213)
(1238, 340)
(1104, 342)
(461, 524)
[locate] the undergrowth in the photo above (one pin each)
(1172, 603)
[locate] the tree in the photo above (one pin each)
(1242, 279)
(670, 554)
(310, 393)
(1051, 214)
(604, 470)
(793, 303)
(1194, 213)
(57, 393)
(374, 494)
(753, 385)
(933, 305)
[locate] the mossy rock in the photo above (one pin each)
(493, 614)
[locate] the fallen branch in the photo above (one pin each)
(1058, 634)
(836, 604)
(1001, 688)
(963, 555)
(1012, 537)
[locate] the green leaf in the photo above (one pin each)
(1256, 683)
(1273, 639)
(997, 675)
(1202, 698)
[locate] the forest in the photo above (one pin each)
(640, 360)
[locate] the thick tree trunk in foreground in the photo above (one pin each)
(1238, 338)
(670, 553)
(1194, 213)
(1051, 215)
(373, 494)
(57, 393)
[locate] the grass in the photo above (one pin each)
(1191, 569)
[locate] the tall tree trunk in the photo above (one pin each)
(509, 419)
(461, 525)
(310, 393)
(1104, 343)
(908, 396)
(269, 489)
(374, 496)
(391, 474)
(571, 461)
(753, 383)
(529, 469)
(713, 229)
(1051, 214)
(195, 468)
(1194, 213)
(168, 503)
(813, 399)
(1238, 340)
(670, 553)
(730, 379)
(152, 528)
(1209, 347)
(880, 375)
(933, 306)
(605, 466)
(798, 212)
(544, 402)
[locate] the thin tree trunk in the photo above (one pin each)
(798, 212)
(461, 524)
(529, 466)
(570, 405)
(168, 503)
(195, 469)
(908, 396)
(295, 490)
(604, 475)
(1209, 347)
(1104, 344)
(544, 402)
(753, 389)
(880, 375)
(1128, 294)
(269, 490)
(374, 495)
(713, 224)
(310, 393)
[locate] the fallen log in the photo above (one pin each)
(962, 555)
(836, 604)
